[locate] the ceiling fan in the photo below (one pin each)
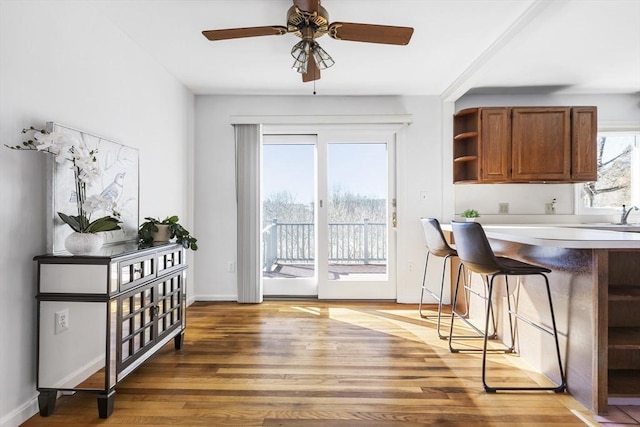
(308, 20)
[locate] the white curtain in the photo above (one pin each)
(248, 146)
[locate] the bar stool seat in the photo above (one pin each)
(438, 246)
(476, 255)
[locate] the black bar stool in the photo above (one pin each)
(476, 255)
(437, 246)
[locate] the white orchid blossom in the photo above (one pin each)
(66, 147)
(97, 203)
(45, 140)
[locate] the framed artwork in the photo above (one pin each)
(118, 181)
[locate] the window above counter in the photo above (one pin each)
(618, 180)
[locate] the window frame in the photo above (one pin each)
(612, 129)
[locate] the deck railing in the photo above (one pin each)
(356, 243)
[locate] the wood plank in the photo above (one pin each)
(310, 363)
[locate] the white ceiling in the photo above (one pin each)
(563, 46)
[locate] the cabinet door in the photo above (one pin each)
(584, 157)
(495, 145)
(137, 324)
(541, 144)
(170, 304)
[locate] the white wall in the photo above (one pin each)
(423, 165)
(526, 201)
(419, 169)
(62, 61)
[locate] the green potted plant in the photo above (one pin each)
(470, 215)
(154, 231)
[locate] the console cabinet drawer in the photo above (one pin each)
(136, 271)
(170, 260)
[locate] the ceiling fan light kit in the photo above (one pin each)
(308, 20)
(301, 52)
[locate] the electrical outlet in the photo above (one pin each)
(61, 320)
(503, 208)
(549, 209)
(231, 267)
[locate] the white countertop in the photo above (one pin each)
(561, 236)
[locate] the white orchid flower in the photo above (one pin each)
(89, 176)
(45, 140)
(95, 203)
(86, 170)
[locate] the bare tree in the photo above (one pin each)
(613, 176)
(283, 207)
(354, 208)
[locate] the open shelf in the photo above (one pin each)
(627, 338)
(624, 382)
(624, 293)
(465, 159)
(466, 127)
(465, 135)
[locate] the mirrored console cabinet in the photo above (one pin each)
(100, 316)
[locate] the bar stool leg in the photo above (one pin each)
(563, 382)
(444, 270)
(437, 297)
(480, 333)
(424, 284)
(486, 339)
(512, 326)
(558, 388)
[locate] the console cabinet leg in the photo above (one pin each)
(178, 340)
(47, 402)
(105, 403)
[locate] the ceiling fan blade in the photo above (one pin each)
(385, 34)
(237, 33)
(309, 6)
(313, 72)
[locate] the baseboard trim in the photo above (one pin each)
(20, 414)
(216, 298)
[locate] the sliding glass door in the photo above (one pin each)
(328, 213)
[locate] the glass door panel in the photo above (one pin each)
(357, 211)
(357, 180)
(288, 215)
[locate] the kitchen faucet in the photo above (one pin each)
(625, 213)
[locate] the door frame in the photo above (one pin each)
(373, 132)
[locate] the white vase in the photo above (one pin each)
(470, 219)
(83, 243)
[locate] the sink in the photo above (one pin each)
(633, 228)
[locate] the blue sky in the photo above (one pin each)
(355, 168)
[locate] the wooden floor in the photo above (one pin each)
(309, 363)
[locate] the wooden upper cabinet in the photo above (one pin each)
(541, 144)
(466, 126)
(495, 145)
(584, 146)
(525, 144)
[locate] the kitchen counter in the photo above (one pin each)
(595, 283)
(563, 236)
